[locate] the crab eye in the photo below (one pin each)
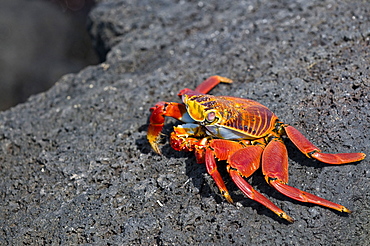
(211, 116)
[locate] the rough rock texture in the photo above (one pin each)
(76, 166)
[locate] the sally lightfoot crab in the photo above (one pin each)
(245, 134)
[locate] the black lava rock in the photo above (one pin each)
(76, 167)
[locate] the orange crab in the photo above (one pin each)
(246, 135)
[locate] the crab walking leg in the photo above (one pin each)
(302, 196)
(210, 83)
(215, 174)
(251, 193)
(221, 149)
(275, 169)
(157, 118)
(205, 86)
(244, 163)
(311, 151)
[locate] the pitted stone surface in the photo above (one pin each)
(76, 167)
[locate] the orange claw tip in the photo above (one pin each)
(346, 210)
(155, 147)
(224, 79)
(153, 140)
(360, 156)
(227, 197)
(283, 215)
(286, 217)
(153, 136)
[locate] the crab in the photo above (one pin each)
(245, 134)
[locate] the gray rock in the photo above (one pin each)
(76, 167)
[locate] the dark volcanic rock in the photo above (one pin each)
(76, 166)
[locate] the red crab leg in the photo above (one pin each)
(311, 151)
(275, 169)
(215, 174)
(243, 163)
(221, 149)
(210, 83)
(156, 120)
(205, 86)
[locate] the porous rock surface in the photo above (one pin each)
(76, 167)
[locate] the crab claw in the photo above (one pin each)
(157, 118)
(156, 125)
(153, 136)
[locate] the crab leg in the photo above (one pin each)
(157, 118)
(220, 149)
(205, 86)
(243, 163)
(215, 174)
(210, 83)
(311, 151)
(275, 169)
